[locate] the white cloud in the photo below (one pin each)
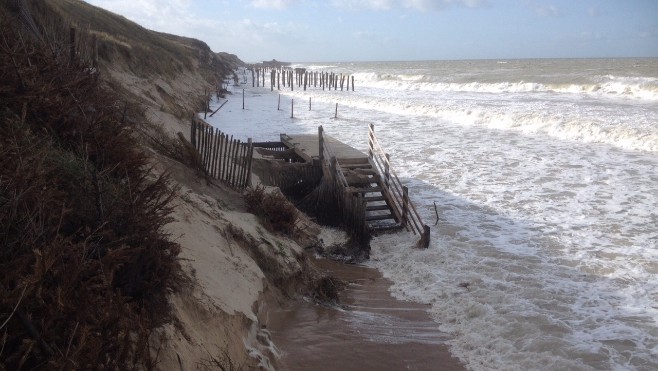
(272, 4)
(363, 4)
(421, 5)
(154, 14)
(425, 5)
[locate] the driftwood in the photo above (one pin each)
(214, 112)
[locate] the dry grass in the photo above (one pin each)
(273, 208)
(85, 267)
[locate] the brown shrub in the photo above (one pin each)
(274, 209)
(85, 267)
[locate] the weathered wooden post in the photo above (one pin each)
(263, 77)
(387, 172)
(242, 98)
(336, 113)
(371, 140)
(334, 171)
(278, 106)
(305, 79)
(253, 78)
(206, 103)
(352, 83)
(278, 80)
(424, 241)
(250, 155)
(321, 143)
(292, 108)
(348, 83)
(405, 204)
(272, 73)
(309, 103)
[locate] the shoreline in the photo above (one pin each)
(369, 329)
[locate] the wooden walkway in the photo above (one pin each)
(307, 146)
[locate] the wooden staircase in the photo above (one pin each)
(362, 178)
(367, 191)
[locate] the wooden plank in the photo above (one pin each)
(370, 218)
(377, 208)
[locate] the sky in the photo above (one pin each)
(396, 30)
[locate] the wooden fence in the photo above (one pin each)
(398, 194)
(224, 158)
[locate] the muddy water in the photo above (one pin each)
(372, 332)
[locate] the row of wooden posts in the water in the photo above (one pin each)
(278, 108)
(300, 77)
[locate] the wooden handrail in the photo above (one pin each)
(397, 190)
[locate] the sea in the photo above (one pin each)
(539, 181)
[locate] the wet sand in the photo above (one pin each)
(373, 332)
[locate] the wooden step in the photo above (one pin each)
(374, 198)
(377, 208)
(354, 161)
(361, 185)
(365, 190)
(370, 218)
(356, 166)
(387, 227)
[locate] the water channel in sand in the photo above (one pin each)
(373, 331)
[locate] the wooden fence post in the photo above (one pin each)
(218, 137)
(336, 113)
(405, 204)
(321, 143)
(250, 155)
